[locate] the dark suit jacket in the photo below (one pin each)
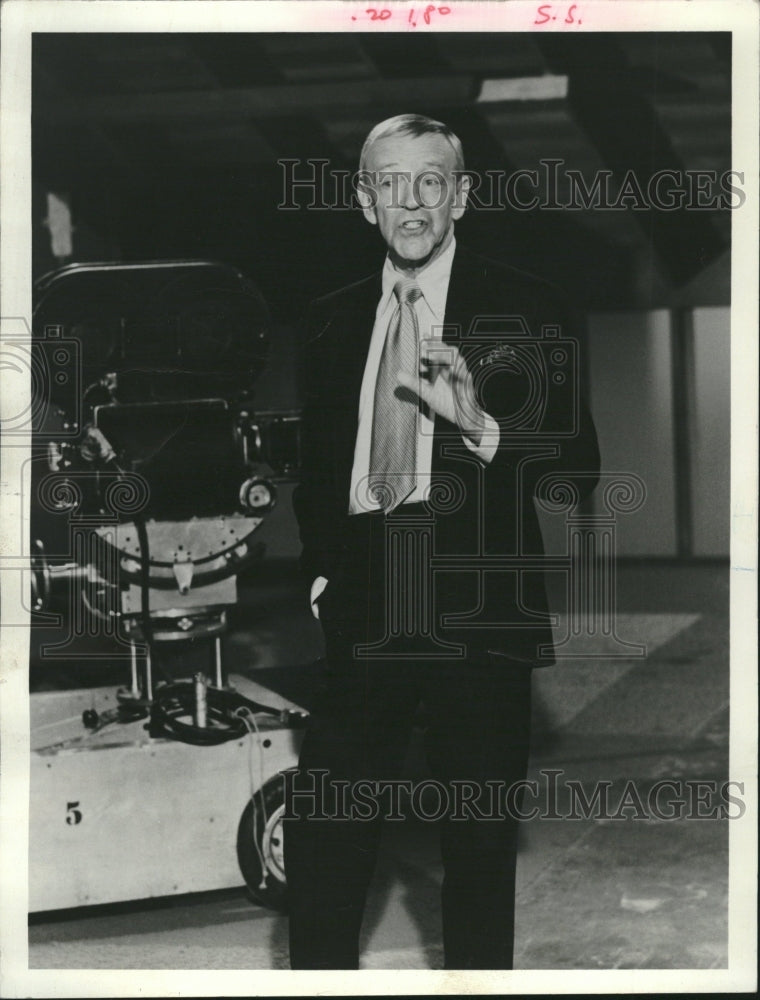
(505, 324)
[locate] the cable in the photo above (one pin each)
(95, 612)
(250, 720)
(172, 702)
(96, 721)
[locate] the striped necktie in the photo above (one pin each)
(393, 457)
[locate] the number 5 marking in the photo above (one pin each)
(73, 814)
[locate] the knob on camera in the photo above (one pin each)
(257, 495)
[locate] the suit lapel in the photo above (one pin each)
(462, 299)
(347, 336)
(350, 331)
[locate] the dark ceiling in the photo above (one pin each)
(167, 145)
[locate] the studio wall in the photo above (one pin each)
(640, 396)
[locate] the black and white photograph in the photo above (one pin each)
(379, 497)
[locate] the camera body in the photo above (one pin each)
(151, 468)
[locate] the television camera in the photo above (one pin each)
(152, 471)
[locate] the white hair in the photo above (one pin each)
(415, 125)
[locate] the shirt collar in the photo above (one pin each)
(433, 280)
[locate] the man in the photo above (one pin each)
(428, 422)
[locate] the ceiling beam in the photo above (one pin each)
(628, 135)
(554, 245)
(265, 101)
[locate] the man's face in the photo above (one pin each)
(413, 196)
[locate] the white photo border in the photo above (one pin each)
(20, 19)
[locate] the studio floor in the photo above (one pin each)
(608, 891)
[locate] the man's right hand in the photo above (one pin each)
(316, 589)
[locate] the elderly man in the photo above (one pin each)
(426, 429)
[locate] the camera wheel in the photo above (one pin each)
(260, 845)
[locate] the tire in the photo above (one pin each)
(260, 836)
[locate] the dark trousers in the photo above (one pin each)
(478, 731)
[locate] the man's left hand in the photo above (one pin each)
(445, 385)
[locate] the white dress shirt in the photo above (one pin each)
(430, 308)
